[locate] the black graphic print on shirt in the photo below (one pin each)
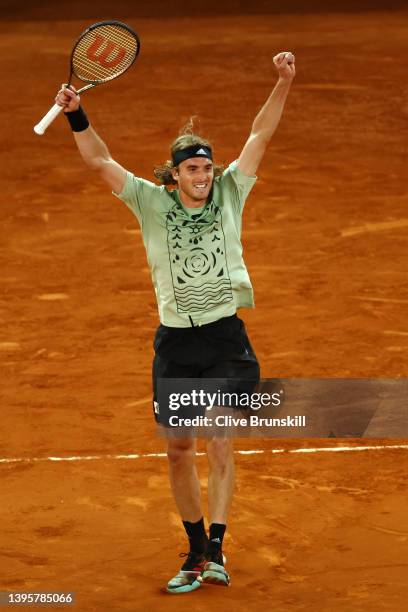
(198, 261)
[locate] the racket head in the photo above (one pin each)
(104, 51)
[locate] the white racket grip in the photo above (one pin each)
(48, 119)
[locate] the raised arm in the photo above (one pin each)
(267, 119)
(93, 150)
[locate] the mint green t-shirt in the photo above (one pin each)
(195, 255)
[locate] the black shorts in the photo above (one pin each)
(219, 350)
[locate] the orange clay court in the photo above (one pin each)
(325, 238)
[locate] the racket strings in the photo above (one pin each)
(104, 53)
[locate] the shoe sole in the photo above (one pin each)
(217, 577)
(210, 577)
(186, 588)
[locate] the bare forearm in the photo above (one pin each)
(93, 150)
(268, 118)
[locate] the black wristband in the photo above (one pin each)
(78, 120)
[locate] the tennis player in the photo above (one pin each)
(192, 239)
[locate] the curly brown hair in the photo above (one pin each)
(186, 138)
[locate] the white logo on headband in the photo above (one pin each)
(201, 152)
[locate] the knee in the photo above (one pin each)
(220, 453)
(180, 451)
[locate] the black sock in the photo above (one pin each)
(196, 535)
(217, 531)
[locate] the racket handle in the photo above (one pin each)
(48, 119)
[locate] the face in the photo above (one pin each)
(194, 177)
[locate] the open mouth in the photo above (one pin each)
(201, 186)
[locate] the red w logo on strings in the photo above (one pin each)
(100, 55)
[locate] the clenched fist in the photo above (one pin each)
(68, 98)
(285, 65)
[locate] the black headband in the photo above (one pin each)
(193, 151)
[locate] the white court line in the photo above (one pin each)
(334, 449)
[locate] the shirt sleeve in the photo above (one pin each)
(238, 184)
(137, 194)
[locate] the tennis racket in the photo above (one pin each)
(103, 52)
